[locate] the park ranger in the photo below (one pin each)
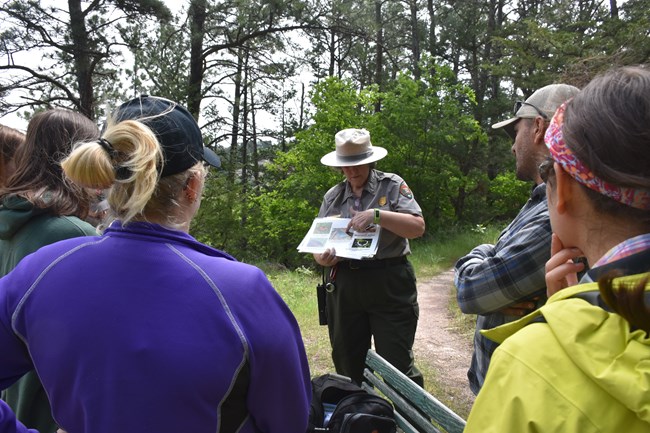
(372, 298)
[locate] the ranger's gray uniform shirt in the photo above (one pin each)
(384, 191)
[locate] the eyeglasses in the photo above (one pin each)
(518, 105)
(545, 168)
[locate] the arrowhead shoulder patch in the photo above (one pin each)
(405, 190)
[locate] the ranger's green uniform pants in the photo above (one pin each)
(378, 299)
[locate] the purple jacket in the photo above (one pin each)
(145, 329)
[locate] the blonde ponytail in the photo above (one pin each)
(126, 159)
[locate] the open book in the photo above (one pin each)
(331, 232)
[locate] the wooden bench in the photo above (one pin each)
(416, 411)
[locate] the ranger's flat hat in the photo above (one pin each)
(353, 147)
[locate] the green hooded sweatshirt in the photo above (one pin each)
(23, 230)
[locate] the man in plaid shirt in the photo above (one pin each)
(502, 282)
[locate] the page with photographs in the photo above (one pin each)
(331, 232)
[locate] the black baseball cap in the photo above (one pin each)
(176, 129)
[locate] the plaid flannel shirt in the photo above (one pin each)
(492, 277)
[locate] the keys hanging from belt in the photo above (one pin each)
(331, 281)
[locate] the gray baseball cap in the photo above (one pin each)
(542, 103)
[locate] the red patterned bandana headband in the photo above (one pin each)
(554, 139)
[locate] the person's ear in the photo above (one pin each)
(563, 189)
(539, 130)
(193, 187)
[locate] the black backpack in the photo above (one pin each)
(340, 406)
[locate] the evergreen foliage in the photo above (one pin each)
(427, 78)
(428, 129)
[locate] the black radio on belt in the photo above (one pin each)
(321, 297)
(322, 306)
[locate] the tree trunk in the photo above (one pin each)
(613, 9)
(415, 42)
(483, 78)
(255, 157)
(498, 26)
(302, 106)
(332, 53)
(379, 61)
(82, 61)
(244, 133)
(432, 28)
(283, 122)
(236, 109)
(197, 14)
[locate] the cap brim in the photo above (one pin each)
(211, 158)
(505, 123)
(333, 160)
(508, 126)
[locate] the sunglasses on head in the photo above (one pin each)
(518, 105)
(545, 168)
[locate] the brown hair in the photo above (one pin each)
(627, 300)
(607, 126)
(39, 177)
(10, 140)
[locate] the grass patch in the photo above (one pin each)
(298, 289)
(464, 323)
(455, 247)
(431, 256)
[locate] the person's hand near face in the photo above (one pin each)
(561, 270)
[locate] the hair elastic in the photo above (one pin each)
(121, 172)
(107, 146)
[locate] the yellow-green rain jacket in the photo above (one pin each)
(581, 371)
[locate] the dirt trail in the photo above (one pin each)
(440, 346)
